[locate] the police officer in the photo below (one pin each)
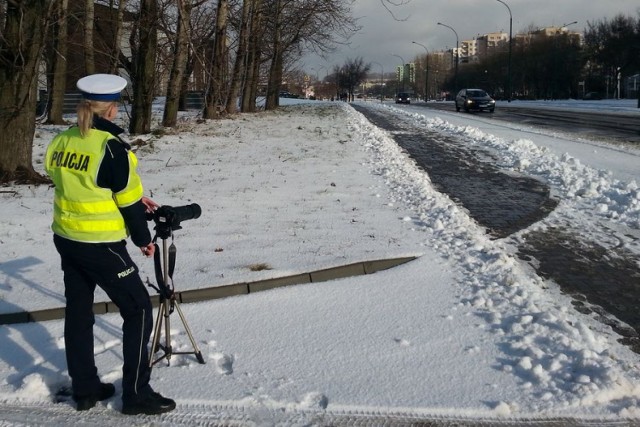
(98, 203)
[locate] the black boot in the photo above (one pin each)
(149, 404)
(84, 403)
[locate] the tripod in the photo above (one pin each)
(164, 275)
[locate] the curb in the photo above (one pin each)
(205, 294)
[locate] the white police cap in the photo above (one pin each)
(101, 87)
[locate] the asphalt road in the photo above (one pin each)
(613, 127)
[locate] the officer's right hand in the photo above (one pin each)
(150, 205)
(148, 250)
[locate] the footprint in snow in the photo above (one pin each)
(224, 363)
(314, 400)
(402, 342)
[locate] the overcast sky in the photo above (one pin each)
(383, 36)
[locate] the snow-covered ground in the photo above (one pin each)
(465, 331)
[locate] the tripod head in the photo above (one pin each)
(168, 218)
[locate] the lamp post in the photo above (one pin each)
(455, 76)
(381, 80)
(510, 48)
(426, 73)
(398, 56)
(560, 51)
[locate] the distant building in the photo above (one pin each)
(406, 73)
(491, 43)
(547, 32)
(474, 50)
(468, 51)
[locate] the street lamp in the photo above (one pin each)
(510, 48)
(398, 56)
(426, 74)
(455, 76)
(381, 80)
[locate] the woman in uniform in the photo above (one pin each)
(98, 204)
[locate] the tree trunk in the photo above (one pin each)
(250, 89)
(275, 70)
(215, 96)
(58, 68)
(184, 82)
(143, 67)
(240, 64)
(21, 47)
(114, 61)
(89, 58)
(180, 57)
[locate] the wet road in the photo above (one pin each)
(602, 277)
(613, 127)
(501, 202)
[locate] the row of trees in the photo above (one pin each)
(549, 66)
(235, 47)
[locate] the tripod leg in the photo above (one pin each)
(197, 351)
(156, 332)
(167, 303)
(167, 332)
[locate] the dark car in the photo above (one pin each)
(285, 94)
(592, 96)
(474, 99)
(403, 98)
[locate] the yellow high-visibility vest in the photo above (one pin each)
(83, 211)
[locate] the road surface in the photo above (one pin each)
(614, 127)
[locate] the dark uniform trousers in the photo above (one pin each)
(109, 266)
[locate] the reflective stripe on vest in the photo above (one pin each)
(133, 191)
(82, 210)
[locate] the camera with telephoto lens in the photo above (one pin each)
(168, 218)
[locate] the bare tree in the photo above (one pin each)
(21, 44)
(294, 24)
(351, 74)
(144, 44)
(180, 58)
(240, 63)
(115, 53)
(57, 62)
(277, 18)
(254, 53)
(89, 18)
(215, 95)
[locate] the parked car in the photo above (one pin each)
(403, 98)
(590, 96)
(285, 94)
(474, 99)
